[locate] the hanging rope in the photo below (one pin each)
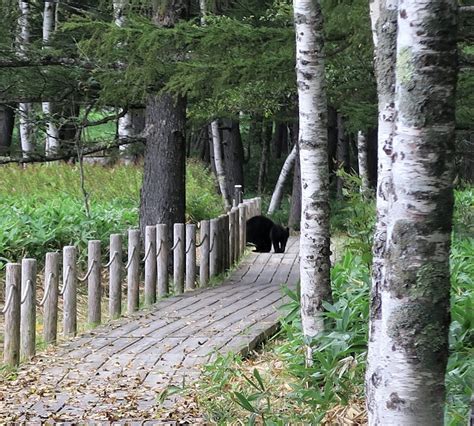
(47, 290)
(130, 258)
(88, 272)
(27, 291)
(212, 243)
(191, 243)
(176, 244)
(150, 246)
(9, 301)
(66, 281)
(202, 241)
(159, 249)
(107, 265)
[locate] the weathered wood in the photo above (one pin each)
(222, 245)
(133, 272)
(115, 276)
(204, 253)
(28, 309)
(242, 227)
(214, 248)
(69, 291)
(236, 234)
(178, 257)
(190, 257)
(150, 265)
(51, 289)
(238, 194)
(94, 286)
(231, 239)
(11, 352)
(162, 247)
(226, 225)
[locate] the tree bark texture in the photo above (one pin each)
(295, 208)
(262, 170)
(233, 152)
(363, 162)
(280, 139)
(7, 122)
(342, 153)
(384, 24)
(313, 136)
(415, 294)
(282, 178)
(219, 164)
(162, 198)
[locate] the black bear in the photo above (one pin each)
(262, 232)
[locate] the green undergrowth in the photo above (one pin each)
(42, 207)
(274, 387)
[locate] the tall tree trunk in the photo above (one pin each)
(280, 139)
(255, 134)
(342, 153)
(282, 178)
(52, 132)
(7, 122)
(219, 164)
(384, 29)
(163, 194)
(415, 298)
(313, 136)
(262, 170)
(233, 152)
(363, 163)
(295, 208)
(25, 110)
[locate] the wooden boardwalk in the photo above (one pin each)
(117, 371)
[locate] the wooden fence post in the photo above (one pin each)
(235, 211)
(204, 253)
(238, 194)
(150, 265)
(115, 276)
(214, 248)
(94, 287)
(11, 353)
(162, 248)
(221, 245)
(28, 309)
(178, 257)
(190, 257)
(133, 270)
(50, 298)
(242, 227)
(226, 220)
(230, 242)
(69, 291)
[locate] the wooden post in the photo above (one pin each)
(230, 237)
(28, 309)
(178, 257)
(150, 265)
(162, 247)
(259, 206)
(133, 272)
(236, 234)
(115, 276)
(242, 226)
(190, 257)
(204, 253)
(226, 219)
(221, 245)
(94, 287)
(11, 353)
(69, 291)
(214, 248)
(51, 288)
(238, 194)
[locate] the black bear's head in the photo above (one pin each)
(279, 238)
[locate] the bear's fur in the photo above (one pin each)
(262, 232)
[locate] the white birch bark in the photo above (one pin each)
(363, 164)
(125, 123)
(314, 239)
(24, 109)
(203, 9)
(220, 170)
(52, 131)
(413, 347)
(384, 26)
(282, 178)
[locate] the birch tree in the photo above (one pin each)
(314, 240)
(384, 29)
(363, 162)
(52, 132)
(218, 162)
(282, 178)
(413, 337)
(24, 109)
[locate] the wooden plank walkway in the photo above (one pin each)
(121, 367)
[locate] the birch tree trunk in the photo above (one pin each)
(218, 161)
(415, 294)
(233, 154)
(52, 131)
(384, 29)
(363, 162)
(314, 240)
(284, 173)
(24, 109)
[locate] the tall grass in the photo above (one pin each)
(42, 207)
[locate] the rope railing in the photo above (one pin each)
(221, 242)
